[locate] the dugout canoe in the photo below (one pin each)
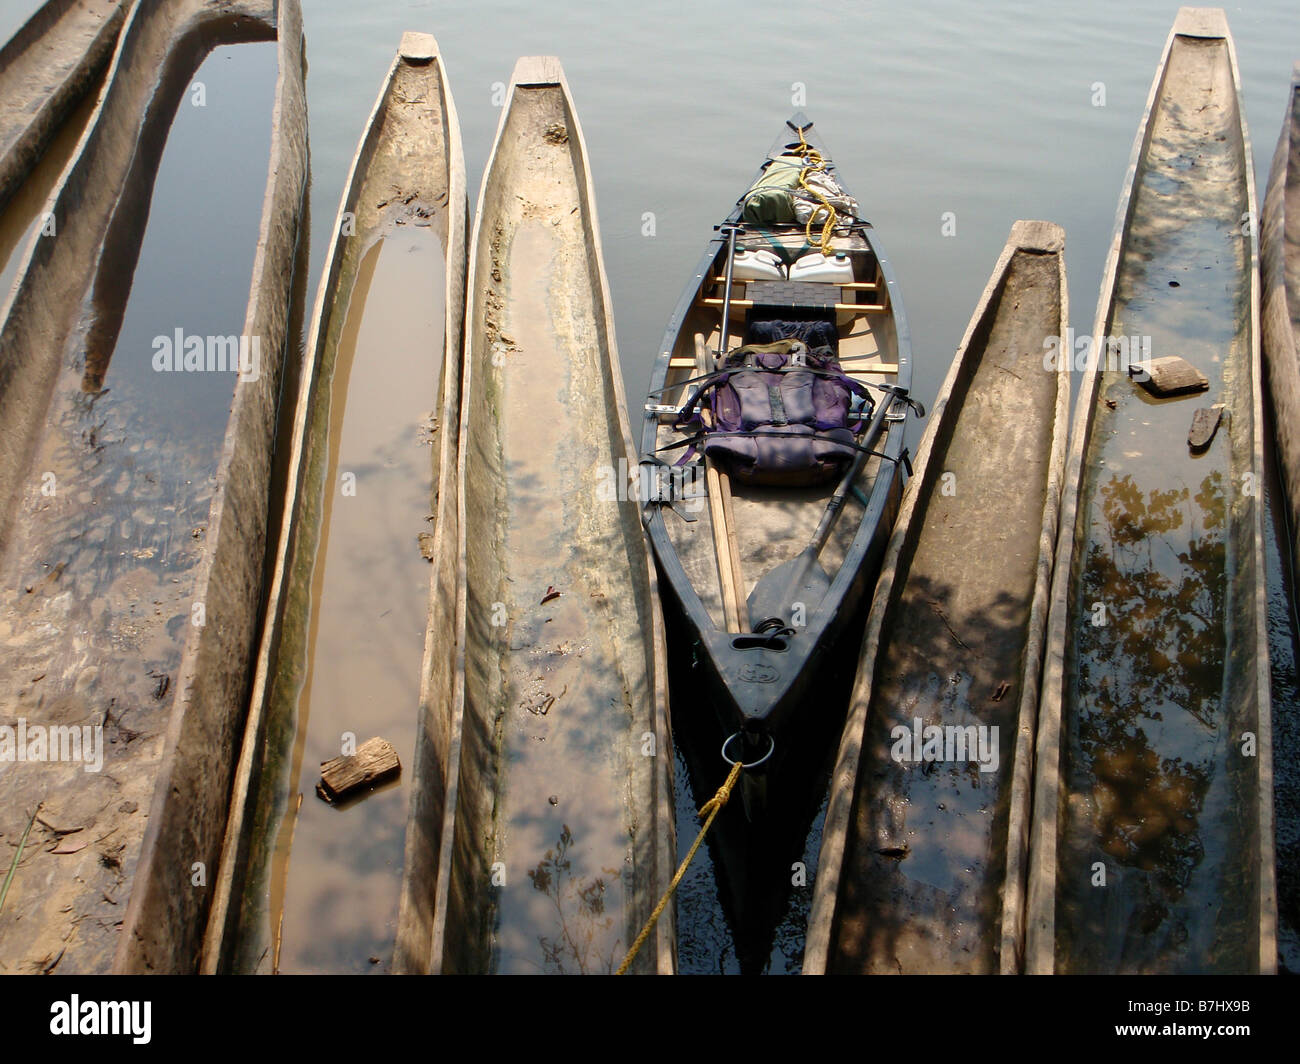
(540, 836)
(1279, 250)
(408, 172)
(922, 864)
(116, 644)
(763, 585)
(1152, 841)
(45, 68)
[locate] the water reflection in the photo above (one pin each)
(1148, 705)
(582, 922)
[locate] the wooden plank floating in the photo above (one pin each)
(1169, 376)
(374, 762)
(1205, 423)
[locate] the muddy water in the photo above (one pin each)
(335, 870)
(1156, 789)
(107, 558)
(24, 214)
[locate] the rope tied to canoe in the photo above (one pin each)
(710, 810)
(816, 164)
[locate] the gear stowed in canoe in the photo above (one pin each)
(773, 437)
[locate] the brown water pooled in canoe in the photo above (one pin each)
(336, 870)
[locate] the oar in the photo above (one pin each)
(802, 579)
(730, 577)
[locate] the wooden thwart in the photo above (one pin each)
(852, 286)
(848, 308)
(876, 367)
(374, 762)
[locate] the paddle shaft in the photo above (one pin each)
(874, 429)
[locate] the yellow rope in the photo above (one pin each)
(712, 807)
(816, 164)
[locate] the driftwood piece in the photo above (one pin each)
(1205, 423)
(374, 762)
(1170, 375)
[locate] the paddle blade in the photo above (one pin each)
(800, 581)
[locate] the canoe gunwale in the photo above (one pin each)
(439, 668)
(944, 417)
(222, 927)
(1040, 948)
(1280, 342)
(1266, 899)
(541, 72)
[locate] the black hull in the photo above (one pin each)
(762, 833)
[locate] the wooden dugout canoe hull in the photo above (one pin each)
(401, 148)
(1279, 247)
(45, 68)
(556, 747)
(1138, 774)
(946, 615)
(181, 773)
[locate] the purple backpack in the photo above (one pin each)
(778, 414)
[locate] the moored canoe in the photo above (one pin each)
(405, 186)
(540, 836)
(922, 863)
(1152, 839)
(1279, 263)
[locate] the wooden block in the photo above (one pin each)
(845, 308)
(1170, 375)
(1205, 423)
(374, 762)
(417, 48)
